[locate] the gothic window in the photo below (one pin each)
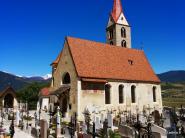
(133, 94)
(111, 43)
(124, 43)
(121, 94)
(123, 32)
(107, 94)
(154, 94)
(66, 79)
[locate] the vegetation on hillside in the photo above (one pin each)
(30, 94)
(173, 94)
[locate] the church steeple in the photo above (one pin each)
(118, 29)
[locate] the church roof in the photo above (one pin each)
(104, 61)
(44, 91)
(8, 89)
(117, 10)
(54, 63)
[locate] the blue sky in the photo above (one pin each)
(32, 32)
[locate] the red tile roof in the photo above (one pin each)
(117, 10)
(103, 61)
(44, 92)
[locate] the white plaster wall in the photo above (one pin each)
(45, 102)
(15, 103)
(144, 97)
(122, 20)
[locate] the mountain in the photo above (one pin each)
(18, 82)
(172, 76)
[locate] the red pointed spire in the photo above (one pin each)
(117, 10)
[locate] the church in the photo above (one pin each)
(102, 77)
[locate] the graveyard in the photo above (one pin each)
(48, 124)
(99, 86)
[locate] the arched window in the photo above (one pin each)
(121, 94)
(111, 43)
(133, 94)
(123, 32)
(107, 94)
(124, 43)
(66, 78)
(154, 94)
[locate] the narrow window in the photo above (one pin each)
(111, 34)
(53, 81)
(154, 94)
(107, 94)
(133, 94)
(121, 94)
(123, 32)
(124, 43)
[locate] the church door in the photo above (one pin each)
(64, 105)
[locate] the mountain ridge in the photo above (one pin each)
(18, 82)
(173, 76)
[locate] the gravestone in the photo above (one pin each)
(35, 132)
(58, 129)
(123, 118)
(159, 130)
(87, 136)
(98, 125)
(84, 128)
(110, 120)
(43, 128)
(156, 116)
(29, 129)
(17, 117)
(102, 118)
(126, 131)
(142, 119)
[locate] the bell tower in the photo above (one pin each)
(118, 31)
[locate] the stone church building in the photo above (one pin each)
(104, 76)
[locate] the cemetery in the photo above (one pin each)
(97, 90)
(96, 123)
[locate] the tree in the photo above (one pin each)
(30, 94)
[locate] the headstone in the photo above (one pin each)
(29, 129)
(35, 132)
(110, 120)
(87, 136)
(156, 116)
(142, 119)
(160, 130)
(17, 117)
(102, 118)
(58, 129)
(84, 128)
(98, 125)
(123, 119)
(44, 128)
(126, 131)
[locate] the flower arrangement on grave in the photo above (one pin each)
(28, 118)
